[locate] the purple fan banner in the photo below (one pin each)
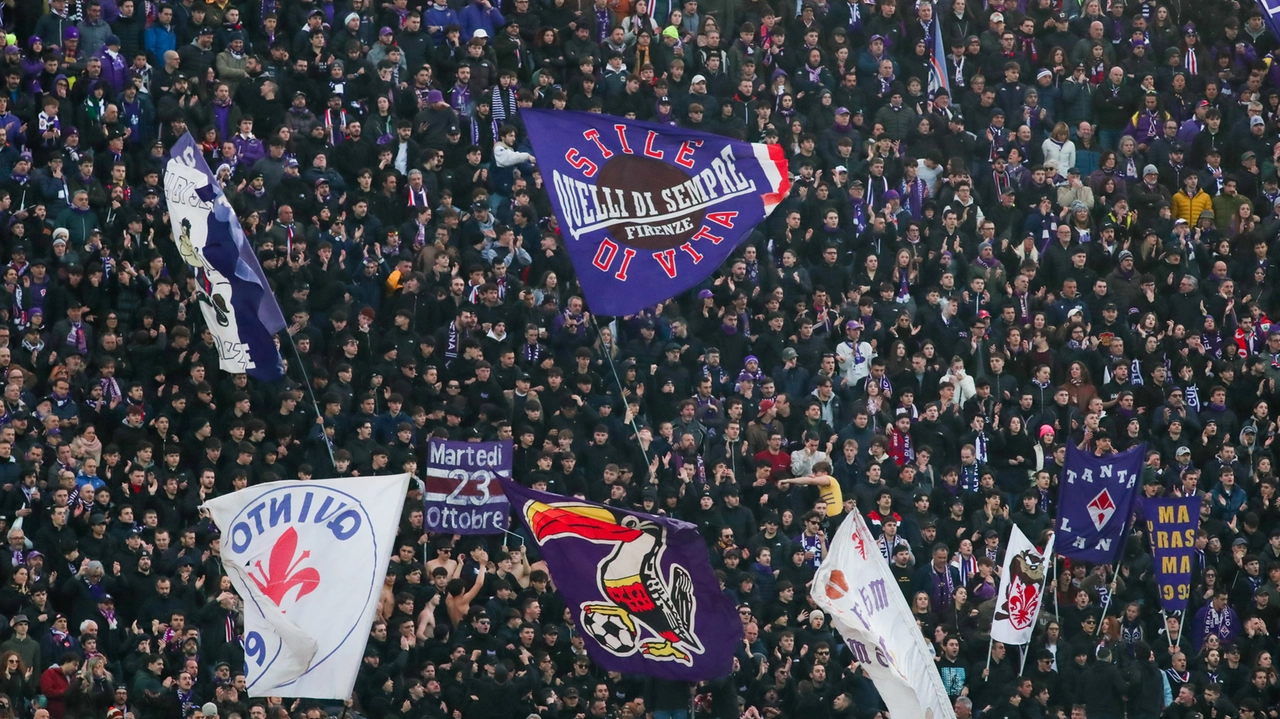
(640, 587)
(1171, 524)
(1095, 501)
(647, 211)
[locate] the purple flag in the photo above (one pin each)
(1095, 500)
(462, 494)
(648, 211)
(1172, 523)
(235, 299)
(640, 587)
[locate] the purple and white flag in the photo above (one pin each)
(856, 589)
(235, 299)
(463, 494)
(646, 210)
(1095, 502)
(640, 587)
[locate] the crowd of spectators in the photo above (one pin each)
(1072, 240)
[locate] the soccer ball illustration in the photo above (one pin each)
(610, 630)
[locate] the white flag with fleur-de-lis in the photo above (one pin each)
(308, 560)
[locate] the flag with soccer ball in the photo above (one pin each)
(640, 586)
(1095, 502)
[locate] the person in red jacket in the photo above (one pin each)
(56, 682)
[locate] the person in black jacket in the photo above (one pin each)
(1146, 687)
(1105, 688)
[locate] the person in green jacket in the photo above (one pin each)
(79, 219)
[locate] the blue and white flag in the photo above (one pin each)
(237, 302)
(309, 559)
(1095, 502)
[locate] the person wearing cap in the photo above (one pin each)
(895, 118)
(1192, 126)
(480, 15)
(384, 49)
(21, 642)
(232, 63)
(195, 58)
(870, 59)
(699, 93)
(1147, 195)
(115, 68)
(854, 354)
(350, 31)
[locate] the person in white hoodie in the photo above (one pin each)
(504, 152)
(506, 161)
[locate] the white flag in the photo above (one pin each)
(1021, 589)
(855, 587)
(309, 559)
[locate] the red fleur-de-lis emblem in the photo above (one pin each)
(282, 573)
(859, 545)
(1024, 601)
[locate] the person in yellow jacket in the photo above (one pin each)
(1190, 201)
(828, 487)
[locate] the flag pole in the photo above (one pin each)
(612, 368)
(991, 642)
(1107, 604)
(1115, 561)
(1056, 612)
(1044, 585)
(1024, 650)
(306, 379)
(1167, 635)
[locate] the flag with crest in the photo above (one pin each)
(1095, 502)
(1022, 583)
(308, 560)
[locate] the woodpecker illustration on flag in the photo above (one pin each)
(654, 597)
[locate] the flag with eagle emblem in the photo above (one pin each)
(640, 586)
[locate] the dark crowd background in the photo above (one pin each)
(1076, 244)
